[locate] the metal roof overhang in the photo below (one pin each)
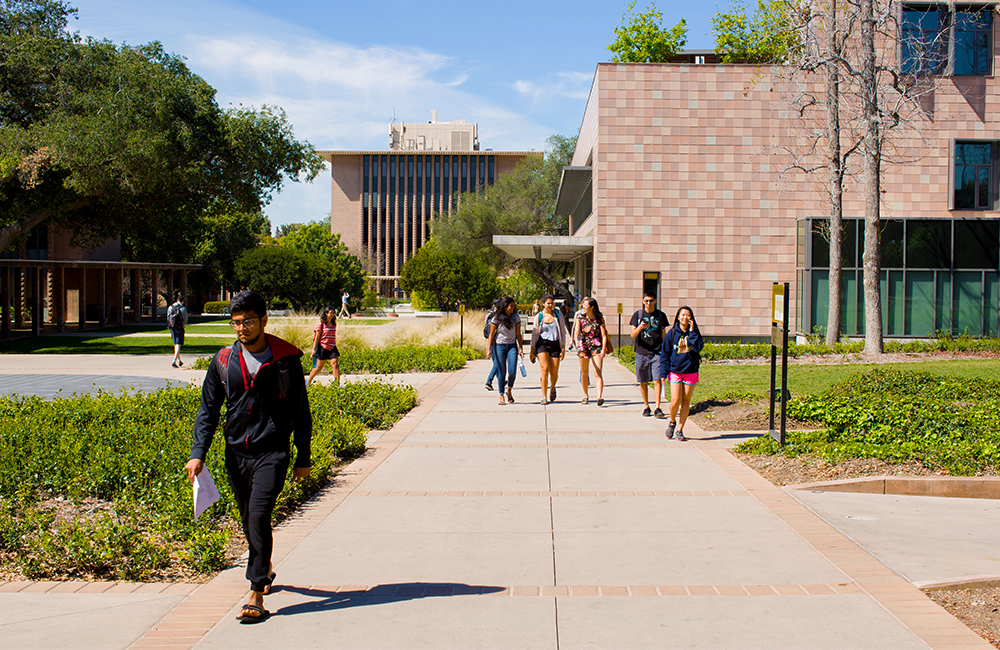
(572, 185)
(542, 247)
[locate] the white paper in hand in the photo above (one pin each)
(205, 492)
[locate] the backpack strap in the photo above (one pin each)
(222, 359)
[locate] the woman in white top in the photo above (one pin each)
(548, 345)
(505, 345)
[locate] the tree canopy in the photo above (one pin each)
(338, 269)
(641, 38)
(521, 202)
(770, 35)
(449, 276)
(124, 140)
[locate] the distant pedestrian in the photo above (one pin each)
(259, 378)
(177, 318)
(680, 360)
(548, 345)
(505, 345)
(345, 300)
(535, 308)
(325, 345)
(592, 343)
(648, 324)
(487, 329)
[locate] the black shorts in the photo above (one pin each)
(323, 353)
(551, 348)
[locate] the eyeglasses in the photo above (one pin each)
(648, 301)
(245, 324)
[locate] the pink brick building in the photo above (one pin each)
(675, 187)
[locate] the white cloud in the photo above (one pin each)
(570, 85)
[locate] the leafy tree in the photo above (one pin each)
(521, 202)
(641, 39)
(449, 277)
(770, 35)
(224, 236)
(272, 271)
(523, 286)
(336, 269)
(108, 140)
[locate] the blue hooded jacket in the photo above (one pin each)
(680, 362)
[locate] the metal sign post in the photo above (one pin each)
(779, 338)
(619, 326)
(461, 322)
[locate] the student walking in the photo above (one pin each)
(345, 300)
(259, 377)
(324, 345)
(505, 345)
(680, 358)
(548, 344)
(648, 324)
(592, 343)
(177, 318)
(487, 330)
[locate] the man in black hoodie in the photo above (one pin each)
(260, 378)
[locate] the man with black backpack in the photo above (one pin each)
(177, 318)
(260, 379)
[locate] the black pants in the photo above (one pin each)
(257, 481)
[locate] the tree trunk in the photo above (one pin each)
(872, 153)
(836, 180)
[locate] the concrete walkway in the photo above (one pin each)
(471, 525)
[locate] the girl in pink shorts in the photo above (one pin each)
(680, 358)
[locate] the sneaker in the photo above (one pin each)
(600, 401)
(679, 437)
(658, 414)
(670, 429)
(646, 412)
(173, 364)
(489, 386)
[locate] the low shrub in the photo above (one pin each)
(406, 358)
(216, 307)
(93, 485)
(943, 422)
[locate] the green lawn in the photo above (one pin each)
(193, 346)
(717, 381)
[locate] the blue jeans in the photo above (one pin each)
(506, 360)
(496, 366)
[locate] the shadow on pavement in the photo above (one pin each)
(377, 595)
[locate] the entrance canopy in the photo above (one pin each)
(542, 247)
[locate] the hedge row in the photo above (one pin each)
(943, 422)
(115, 462)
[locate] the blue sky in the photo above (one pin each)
(520, 69)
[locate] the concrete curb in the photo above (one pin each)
(965, 582)
(964, 487)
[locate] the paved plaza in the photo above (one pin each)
(474, 525)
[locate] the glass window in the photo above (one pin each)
(919, 303)
(928, 245)
(923, 48)
(977, 244)
(973, 28)
(820, 244)
(973, 174)
(849, 243)
(967, 310)
(892, 244)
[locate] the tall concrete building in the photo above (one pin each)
(384, 203)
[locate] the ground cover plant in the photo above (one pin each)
(193, 345)
(94, 487)
(941, 421)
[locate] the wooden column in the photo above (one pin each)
(6, 276)
(155, 282)
(102, 297)
(59, 298)
(83, 298)
(118, 284)
(170, 286)
(36, 300)
(18, 297)
(184, 290)
(136, 295)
